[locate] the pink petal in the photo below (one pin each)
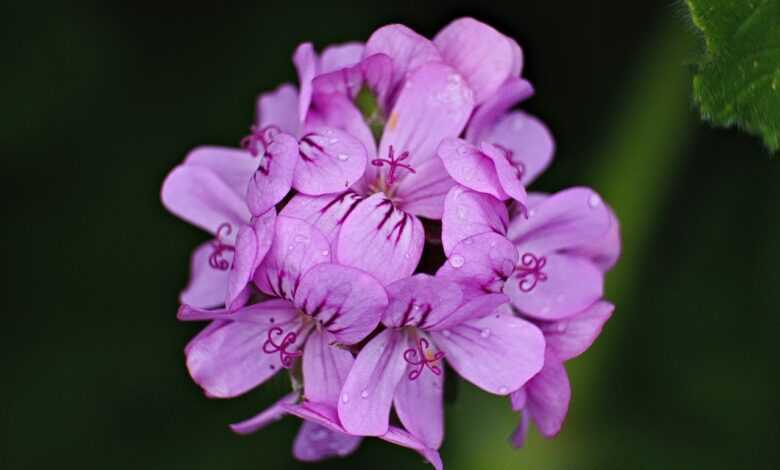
(510, 174)
(468, 213)
(570, 337)
(305, 60)
(606, 250)
(480, 264)
(423, 192)
(470, 167)
(498, 353)
(274, 176)
(233, 166)
(510, 93)
(279, 108)
(420, 407)
(434, 104)
(549, 393)
(421, 300)
(367, 395)
(381, 240)
(517, 56)
(327, 212)
(474, 309)
(315, 442)
(402, 438)
(229, 360)
(325, 369)
(567, 219)
(573, 284)
(207, 285)
(201, 197)
(521, 433)
(481, 54)
(346, 301)
(527, 138)
(273, 413)
(296, 248)
(339, 56)
(252, 245)
(330, 161)
(338, 111)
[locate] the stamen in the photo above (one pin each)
(394, 164)
(216, 260)
(258, 136)
(420, 358)
(285, 357)
(530, 270)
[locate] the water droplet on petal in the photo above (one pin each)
(503, 390)
(594, 200)
(531, 213)
(484, 333)
(325, 252)
(343, 157)
(364, 394)
(344, 398)
(461, 212)
(446, 333)
(301, 238)
(457, 261)
(560, 327)
(468, 241)
(291, 248)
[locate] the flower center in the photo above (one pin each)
(530, 271)
(270, 346)
(394, 163)
(216, 259)
(421, 357)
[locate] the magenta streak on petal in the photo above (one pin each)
(216, 261)
(530, 270)
(304, 152)
(519, 167)
(338, 200)
(394, 163)
(411, 356)
(270, 347)
(257, 136)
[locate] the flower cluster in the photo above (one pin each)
(318, 233)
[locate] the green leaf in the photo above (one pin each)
(738, 80)
(369, 107)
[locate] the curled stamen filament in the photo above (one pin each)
(530, 271)
(216, 259)
(394, 163)
(258, 136)
(270, 347)
(418, 357)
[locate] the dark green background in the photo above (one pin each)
(99, 102)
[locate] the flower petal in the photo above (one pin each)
(207, 285)
(305, 60)
(339, 56)
(202, 198)
(480, 264)
(233, 166)
(252, 245)
(273, 178)
(512, 91)
(296, 247)
(381, 240)
(567, 219)
(367, 395)
(325, 369)
(468, 213)
(470, 167)
(549, 393)
(510, 173)
(402, 438)
(475, 308)
(346, 301)
(521, 433)
(498, 353)
(315, 442)
(273, 413)
(338, 111)
(606, 250)
(423, 192)
(229, 360)
(327, 212)
(572, 284)
(434, 104)
(480, 53)
(570, 337)
(421, 300)
(420, 407)
(330, 161)
(279, 108)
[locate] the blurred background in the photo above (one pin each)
(100, 102)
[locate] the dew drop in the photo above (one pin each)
(325, 252)
(560, 327)
(468, 241)
(502, 390)
(344, 398)
(462, 212)
(594, 200)
(343, 157)
(291, 248)
(457, 261)
(531, 213)
(301, 238)
(446, 333)
(484, 333)
(364, 394)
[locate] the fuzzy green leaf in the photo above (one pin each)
(738, 79)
